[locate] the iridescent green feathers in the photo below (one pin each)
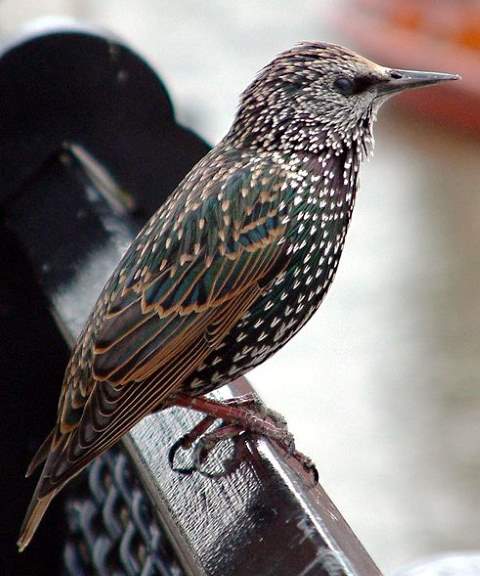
(196, 268)
(208, 252)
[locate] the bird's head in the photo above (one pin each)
(320, 94)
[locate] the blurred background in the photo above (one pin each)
(381, 387)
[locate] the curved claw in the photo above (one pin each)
(312, 469)
(308, 466)
(203, 448)
(238, 415)
(171, 458)
(200, 455)
(186, 441)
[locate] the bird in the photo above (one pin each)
(230, 267)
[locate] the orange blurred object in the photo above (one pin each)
(440, 35)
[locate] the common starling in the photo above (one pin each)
(233, 264)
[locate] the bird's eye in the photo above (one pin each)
(344, 85)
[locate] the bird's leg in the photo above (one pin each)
(208, 441)
(249, 420)
(240, 418)
(249, 400)
(253, 402)
(187, 441)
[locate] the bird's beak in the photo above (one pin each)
(399, 80)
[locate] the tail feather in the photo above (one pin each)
(35, 512)
(40, 455)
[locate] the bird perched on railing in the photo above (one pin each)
(231, 266)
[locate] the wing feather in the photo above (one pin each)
(111, 411)
(191, 275)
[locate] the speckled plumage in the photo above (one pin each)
(231, 266)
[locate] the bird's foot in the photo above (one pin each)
(246, 414)
(203, 447)
(206, 441)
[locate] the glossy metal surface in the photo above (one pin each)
(264, 518)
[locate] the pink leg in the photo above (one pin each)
(248, 420)
(238, 418)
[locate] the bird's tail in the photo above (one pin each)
(40, 455)
(36, 510)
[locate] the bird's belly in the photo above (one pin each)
(277, 316)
